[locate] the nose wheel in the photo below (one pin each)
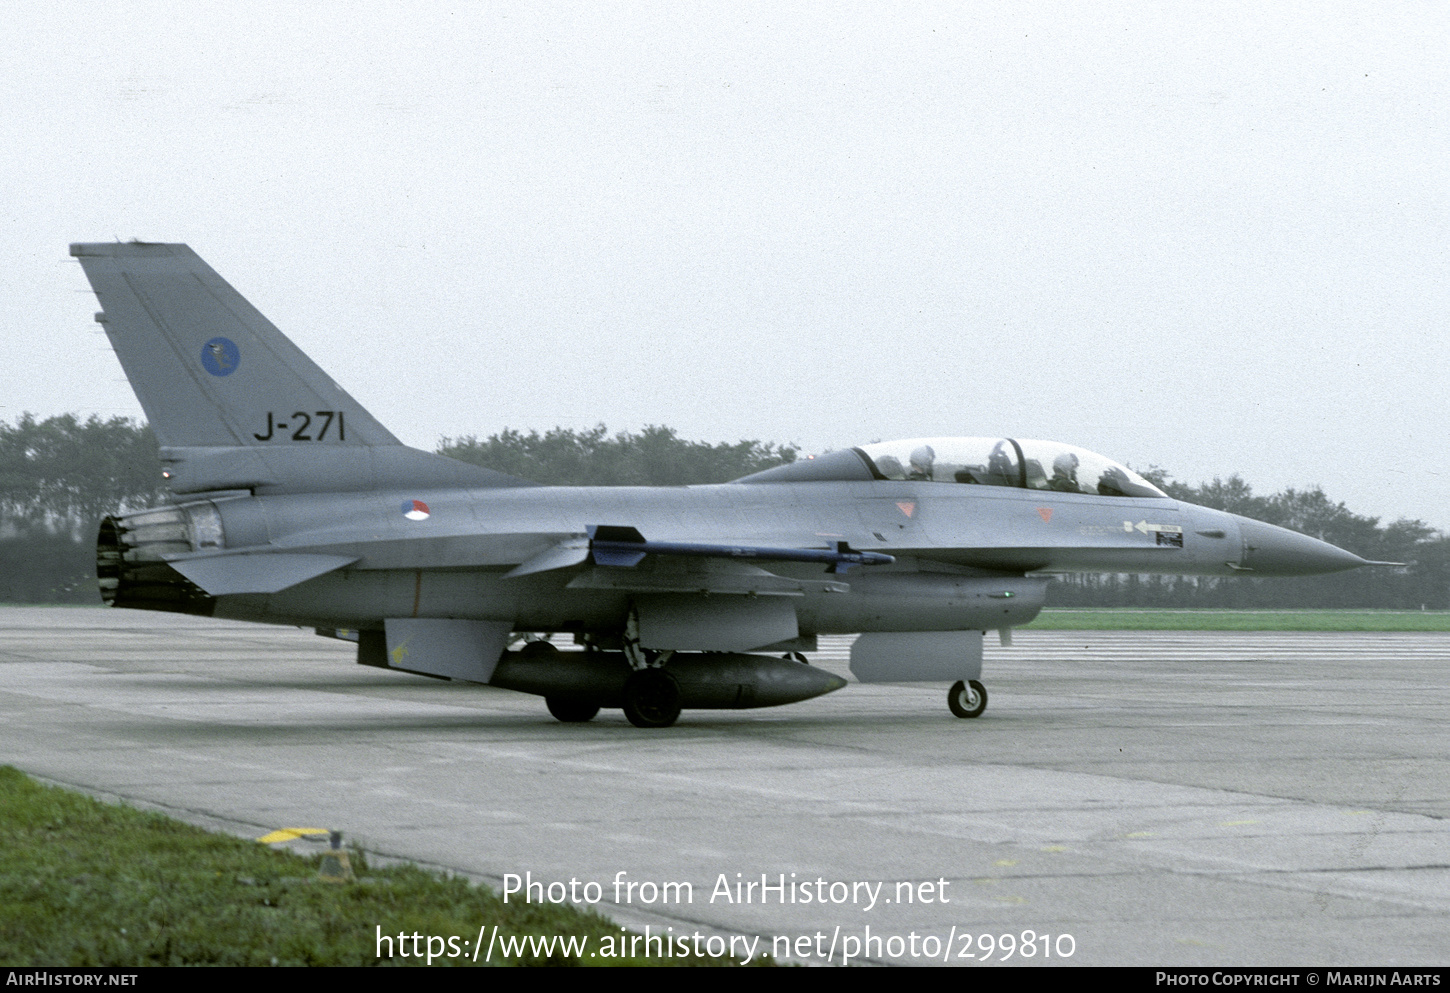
(967, 699)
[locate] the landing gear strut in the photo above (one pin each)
(967, 699)
(651, 695)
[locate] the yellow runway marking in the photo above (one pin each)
(287, 834)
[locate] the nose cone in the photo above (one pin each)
(1276, 551)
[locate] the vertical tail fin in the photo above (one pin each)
(234, 404)
(208, 368)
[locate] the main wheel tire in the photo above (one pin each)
(570, 710)
(651, 699)
(538, 649)
(967, 699)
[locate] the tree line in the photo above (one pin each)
(1424, 580)
(60, 476)
(657, 456)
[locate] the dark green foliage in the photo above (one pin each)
(66, 474)
(58, 478)
(84, 883)
(38, 565)
(656, 456)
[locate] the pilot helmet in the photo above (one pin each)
(922, 457)
(890, 467)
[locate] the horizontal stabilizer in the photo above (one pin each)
(269, 572)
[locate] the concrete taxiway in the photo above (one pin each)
(1165, 798)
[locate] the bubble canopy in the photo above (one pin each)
(1020, 463)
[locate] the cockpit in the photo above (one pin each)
(1019, 463)
(1025, 464)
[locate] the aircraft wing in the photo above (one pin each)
(689, 567)
(625, 546)
(701, 576)
(267, 572)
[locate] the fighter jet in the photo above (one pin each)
(290, 504)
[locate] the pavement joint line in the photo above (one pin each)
(1298, 769)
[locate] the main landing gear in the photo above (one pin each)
(967, 699)
(651, 698)
(651, 695)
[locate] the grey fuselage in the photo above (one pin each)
(967, 557)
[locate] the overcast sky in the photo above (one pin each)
(1209, 237)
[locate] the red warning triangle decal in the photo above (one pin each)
(907, 507)
(1045, 513)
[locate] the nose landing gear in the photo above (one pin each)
(967, 699)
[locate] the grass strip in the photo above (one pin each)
(85, 883)
(1166, 619)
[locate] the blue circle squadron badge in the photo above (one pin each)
(220, 356)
